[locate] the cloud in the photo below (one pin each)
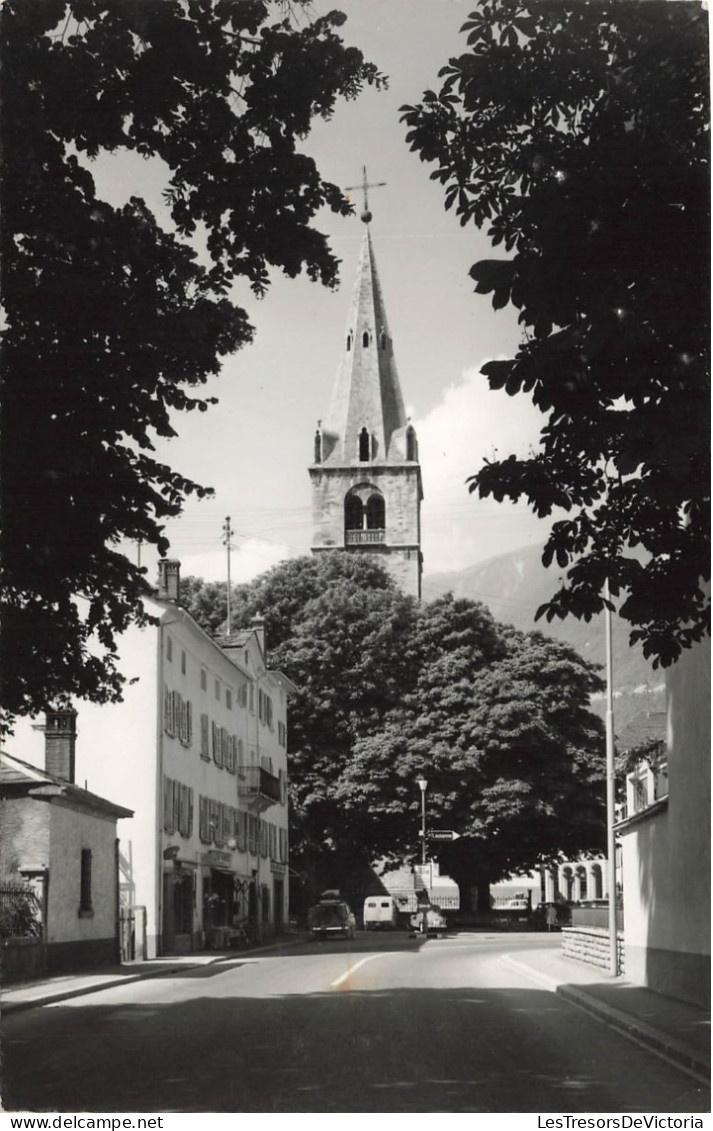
(473, 422)
(249, 558)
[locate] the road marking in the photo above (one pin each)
(352, 970)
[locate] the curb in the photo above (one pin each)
(676, 1052)
(50, 998)
(683, 1056)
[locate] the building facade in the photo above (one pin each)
(665, 844)
(61, 842)
(198, 748)
(366, 477)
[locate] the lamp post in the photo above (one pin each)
(611, 794)
(423, 786)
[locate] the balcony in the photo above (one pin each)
(259, 788)
(364, 537)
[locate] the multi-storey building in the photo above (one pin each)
(198, 750)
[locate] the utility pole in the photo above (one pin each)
(611, 794)
(227, 534)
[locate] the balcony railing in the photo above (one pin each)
(258, 785)
(364, 537)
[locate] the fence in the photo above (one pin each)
(20, 911)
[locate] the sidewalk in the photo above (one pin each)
(18, 996)
(675, 1030)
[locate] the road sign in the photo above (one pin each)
(442, 834)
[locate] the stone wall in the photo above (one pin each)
(591, 945)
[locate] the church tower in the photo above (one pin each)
(366, 478)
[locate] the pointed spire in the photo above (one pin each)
(367, 406)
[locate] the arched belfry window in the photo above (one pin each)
(349, 341)
(364, 445)
(353, 513)
(365, 338)
(382, 340)
(375, 513)
(411, 444)
(318, 446)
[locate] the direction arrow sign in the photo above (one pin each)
(442, 834)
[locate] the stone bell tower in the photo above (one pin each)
(366, 478)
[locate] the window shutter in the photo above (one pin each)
(205, 738)
(169, 823)
(176, 806)
(189, 812)
(168, 711)
(203, 820)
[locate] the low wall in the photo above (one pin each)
(22, 959)
(591, 945)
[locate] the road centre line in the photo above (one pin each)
(352, 970)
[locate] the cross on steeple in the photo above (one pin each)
(365, 186)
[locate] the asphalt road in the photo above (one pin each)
(381, 1024)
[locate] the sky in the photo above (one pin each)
(255, 446)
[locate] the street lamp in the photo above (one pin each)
(423, 786)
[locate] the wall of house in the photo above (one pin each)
(115, 758)
(76, 937)
(24, 834)
(222, 689)
(125, 754)
(666, 856)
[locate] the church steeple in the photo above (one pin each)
(365, 475)
(367, 393)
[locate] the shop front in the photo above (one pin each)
(228, 916)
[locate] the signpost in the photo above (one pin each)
(443, 834)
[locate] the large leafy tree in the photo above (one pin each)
(339, 627)
(115, 319)
(576, 135)
(497, 721)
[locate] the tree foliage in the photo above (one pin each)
(576, 134)
(113, 319)
(497, 720)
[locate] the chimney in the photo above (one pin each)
(169, 579)
(60, 742)
(258, 626)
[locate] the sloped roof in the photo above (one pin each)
(22, 778)
(367, 392)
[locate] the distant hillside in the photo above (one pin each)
(514, 585)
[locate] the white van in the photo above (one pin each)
(380, 913)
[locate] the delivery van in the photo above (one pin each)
(380, 913)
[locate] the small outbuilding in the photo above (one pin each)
(59, 882)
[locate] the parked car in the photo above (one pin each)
(435, 920)
(331, 918)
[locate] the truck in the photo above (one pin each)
(381, 913)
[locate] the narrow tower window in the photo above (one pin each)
(364, 446)
(375, 513)
(318, 446)
(365, 338)
(382, 340)
(353, 513)
(349, 342)
(410, 443)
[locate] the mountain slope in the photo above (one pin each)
(514, 585)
